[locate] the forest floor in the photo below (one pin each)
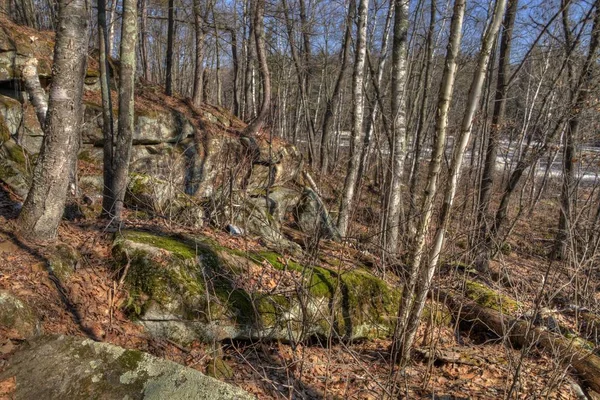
(89, 306)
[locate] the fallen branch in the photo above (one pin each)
(520, 333)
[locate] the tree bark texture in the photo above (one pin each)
(44, 205)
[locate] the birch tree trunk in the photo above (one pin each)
(357, 119)
(37, 96)
(402, 337)
(399, 55)
(44, 205)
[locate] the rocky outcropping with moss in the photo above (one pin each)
(62, 367)
(189, 164)
(187, 288)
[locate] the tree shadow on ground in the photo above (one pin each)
(69, 306)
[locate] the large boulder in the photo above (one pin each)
(63, 367)
(188, 289)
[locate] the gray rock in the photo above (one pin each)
(312, 217)
(62, 367)
(17, 316)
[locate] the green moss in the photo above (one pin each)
(16, 153)
(489, 298)
(219, 369)
(130, 359)
(271, 307)
(183, 249)
(92, 73)
(4, 131)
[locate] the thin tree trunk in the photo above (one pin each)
(334, 100)
(122, 145)
(377, 78)
(111, 28)
(489, 166)
(199, 52)
(144, 40)
(568, 188)
(236, 73)
(421, 121)
(397, 156)
(402, 336)
(357, 119)
(107, 112)
(37, 96)
(44, 205)
(170, 45)
(261, 53)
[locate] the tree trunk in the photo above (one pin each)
(111, 28)
(170, 45)
(44, 205)
(402, 339)
(236, 73)
(333, 102)
(563, 235)
(37, 96)
(377, 78)
(487, 178)
(144, 40)
(357, 119)
(399, 56)
(198, 70)
(422, 118)
(122, 144)
(261, 53)
(107, 112)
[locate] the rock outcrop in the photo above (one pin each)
(63, 367)
(188, 164)
(187, 288)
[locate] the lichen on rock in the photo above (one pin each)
(93, 370)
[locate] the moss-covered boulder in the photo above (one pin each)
(187, 288)
(17, 317)
(63, 367)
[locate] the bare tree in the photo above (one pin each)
(579, 96)
(487, 179)
(394, 199)
(403, 337)
(357, 119)
(261, 53)
(333, 102)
